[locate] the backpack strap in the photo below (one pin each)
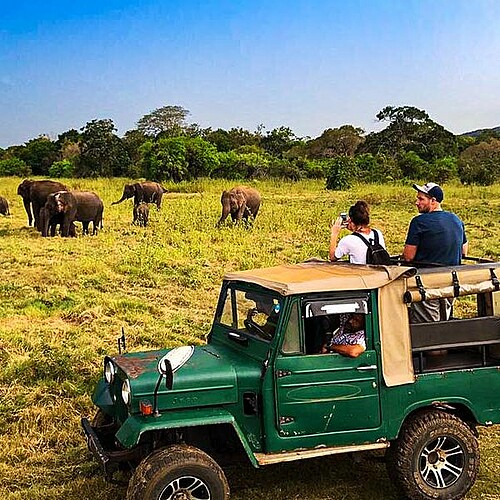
(367, 243)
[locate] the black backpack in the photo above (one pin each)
(376, 254)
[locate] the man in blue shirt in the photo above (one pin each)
(434, 237)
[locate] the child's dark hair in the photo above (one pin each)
(359, 213)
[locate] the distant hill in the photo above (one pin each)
(475, 133)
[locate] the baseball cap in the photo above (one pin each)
(431, 189)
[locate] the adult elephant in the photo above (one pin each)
(241, 202)
(147, 192)
(71, 206)
(34, 195)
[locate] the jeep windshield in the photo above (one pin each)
(249, 313)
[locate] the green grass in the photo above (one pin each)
(63, 303)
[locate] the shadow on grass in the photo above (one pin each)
(333, 478)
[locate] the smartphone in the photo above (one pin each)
(343, 216)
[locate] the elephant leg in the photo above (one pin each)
(65, 226)
(85, 227)
(36, 215)
(27, 207)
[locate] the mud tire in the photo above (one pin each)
(435, 456)
(169, 471)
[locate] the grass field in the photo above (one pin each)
(63, 303)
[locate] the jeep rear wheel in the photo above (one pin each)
(179, 472)
(435, 456)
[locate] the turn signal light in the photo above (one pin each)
(146, 408)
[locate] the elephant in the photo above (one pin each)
(81, 206)
(4, 206)
(147, 192)
(241, 202)
(141, 214)
(34, 194)
(53, 222)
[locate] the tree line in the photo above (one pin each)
(164, 146)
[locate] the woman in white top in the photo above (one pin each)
(351, 245)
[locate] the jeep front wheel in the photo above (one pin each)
(179, 472)
(435, 456)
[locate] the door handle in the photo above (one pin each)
(366, 367)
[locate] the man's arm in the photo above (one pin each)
(352, 351)
(409, 252)
(465, 249)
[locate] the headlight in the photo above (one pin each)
(109, 371)
(126, 391)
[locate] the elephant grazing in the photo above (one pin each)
(241, 202)
(147, 192)
(141, 214)
(4, 206)
(34, 195)
(70, 206)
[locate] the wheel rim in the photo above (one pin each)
(186, 488)
(442, 462)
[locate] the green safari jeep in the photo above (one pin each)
(266, 387)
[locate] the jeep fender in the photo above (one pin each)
(135, 426)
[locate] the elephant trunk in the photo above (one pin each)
(226, 209)
(123, 198)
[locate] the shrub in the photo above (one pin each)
(443, 169)
(14, 166)
(62, 168)
(412, 166)
(341, 172)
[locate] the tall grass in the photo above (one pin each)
(63, 303)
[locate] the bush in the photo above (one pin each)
(376, 168)
(62, 168)
(412, 166)
(341, 172)
(443, 169)
(14, 166)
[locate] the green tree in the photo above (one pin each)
(202, 157)
(167, 121)
(102, 152)
(342, 141)
(410, 129)
(39, 154)
(165, 159)
(279, 140)
(480, 164)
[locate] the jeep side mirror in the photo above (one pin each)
(165, 369)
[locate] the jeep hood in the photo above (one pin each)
(208, 376)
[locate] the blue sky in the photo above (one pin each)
(305, 64)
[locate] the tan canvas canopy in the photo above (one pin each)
(397, 286)
(321, 276)
(447, 282)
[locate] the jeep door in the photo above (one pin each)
(325, 394)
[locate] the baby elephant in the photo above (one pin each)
(141, 214)
(4, 206)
